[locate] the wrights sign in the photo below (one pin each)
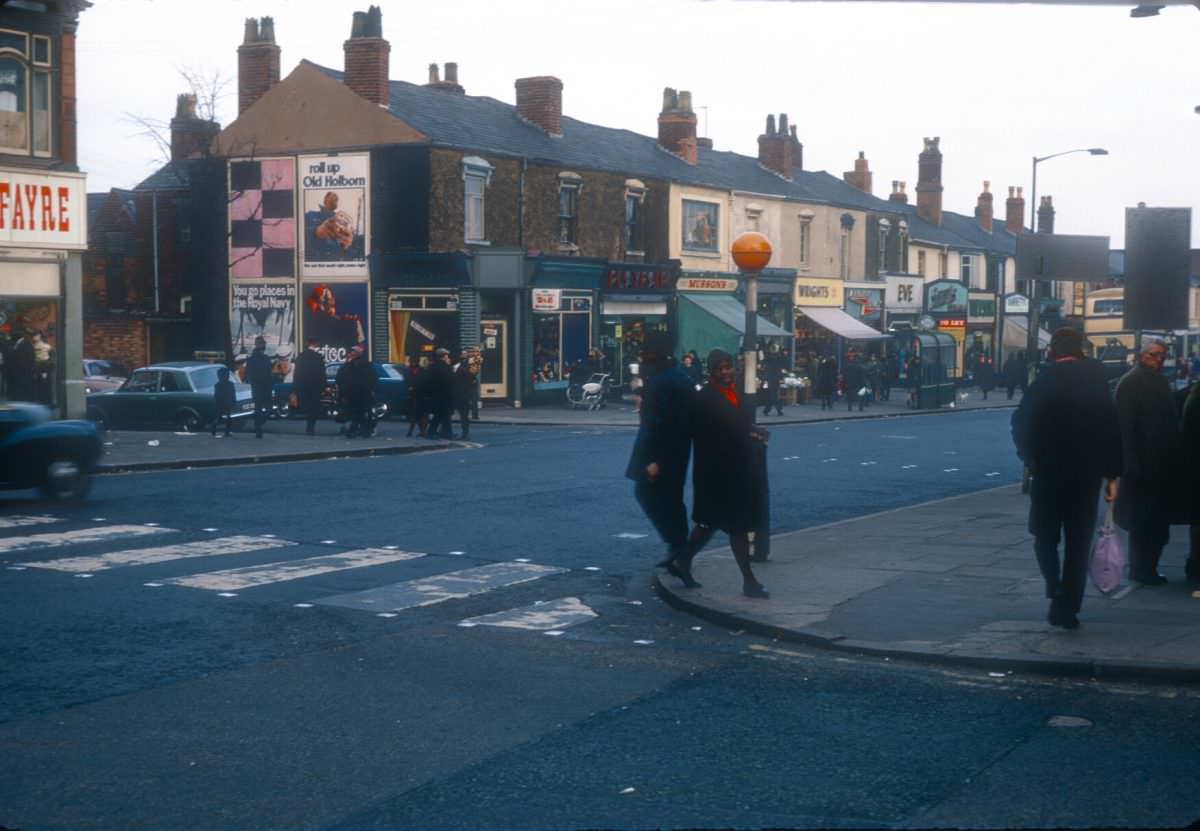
(42, 211)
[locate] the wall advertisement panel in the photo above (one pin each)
(334, 194)
(267, 310)
(337, 315)
(262, 219)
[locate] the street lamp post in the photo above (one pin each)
(751, 252)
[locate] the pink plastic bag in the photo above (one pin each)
(1107, 560)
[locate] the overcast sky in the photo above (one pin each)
(998, 83)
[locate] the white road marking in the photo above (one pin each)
(551, 615)
(629, 536)
(209, 530)
(251, 576)
(104, 533)
(949, 470)
(993, 473)
(22, 521)
(832, 459)
(643, 643)
(303, 605)
(163, 554)
(897, 437)
(865, 464)
(441, 587)
(907, 467)
(591, 568)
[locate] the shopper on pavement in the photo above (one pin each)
(724, 475)
(1067, 433)
(826, 382)
(855, 377)
(440, 389)
(361, 396)
(774, 368)
(224, 396)
(914, 370)
(1150, 441)
(308, 379)
(261, 380)
(418, 401)
(691, 368)
(464, 381)
(873, 373)
(1014, 371)
(985, 375)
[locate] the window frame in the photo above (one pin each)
(635, 200)
(475, 171)
(37, 117)
(712, 209)
(570, 186)
(804, 241)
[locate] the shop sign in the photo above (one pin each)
(816, 292)
(981, 308)
(864, 304)
(706, 284)
(904, 293)
(39, 210)
(334, 197)
(640, 278)
(547, 300)
(1016, 304)
(946, 297)
(952, 323)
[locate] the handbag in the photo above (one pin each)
(1107, 560)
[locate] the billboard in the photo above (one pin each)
(334, 193)
(1069, 257)
(946, 297)
(262, 219)
(258, 308)
(337, 315)
(1157, 267)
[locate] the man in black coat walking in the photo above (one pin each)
(308, 379)
(855, 377)
(774, 369)
(1066, 432)
(1150, 440)
(261, 379)
(440, 389)
(659, 461)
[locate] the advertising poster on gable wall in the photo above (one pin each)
(267, 310)
(338, 316)
(334, 201)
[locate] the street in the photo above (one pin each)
(468, 638)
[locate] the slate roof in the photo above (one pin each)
(486, 125)
(171, 176)
(97, 201)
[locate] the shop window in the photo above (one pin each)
(561, 338)
(635, 197)
(14, 105)
(25, 94)
(477, 173)
(569, 187)
(971, 275)
(700, 229)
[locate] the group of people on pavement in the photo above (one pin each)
(859, 382)
(27, 363)
(441, 390)
(713, 429)
(1075, 437)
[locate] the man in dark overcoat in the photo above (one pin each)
(855, 377)
(1014, 371)
(440, 389)
(826, 382)
(1189, 489)
(362, 395)
(1067, 434)
(774, 369)
(261, 379)
(1150, 441)
(985, 375)
(308, 379)
(658, 463)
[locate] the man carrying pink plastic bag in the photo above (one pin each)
(1066, 432)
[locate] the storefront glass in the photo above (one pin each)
(562, 338)
(621, 339)
(419, 323)
(29, 332)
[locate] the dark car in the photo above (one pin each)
(56, 456)
(178, 394)
(391, 392)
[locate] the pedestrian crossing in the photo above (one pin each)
(209, 556)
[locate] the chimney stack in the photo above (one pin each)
(539, 101)
(450, 84)
(258, 61)
(190, 134)
(1014, 211)
(778, 149)
(677, 125)
(860, 177)
(898, 194)
(929, 182)
(1046, 215)
(984, 208)
(366, 56)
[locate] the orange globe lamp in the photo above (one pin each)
(751, 251)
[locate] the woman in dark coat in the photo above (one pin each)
(985, 375)
(723, 474)
(826, 382)
(1190, 490)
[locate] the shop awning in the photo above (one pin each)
(840, 323)
(633, 307)
(730, 311)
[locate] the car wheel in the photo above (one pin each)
(98, 417)
(187, 421)
(66, 480)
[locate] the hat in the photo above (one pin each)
(1066, 342)
(660, 343)
(715, 357)
(260, 341)
(441, 351)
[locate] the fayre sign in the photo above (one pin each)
(39, 210)
(334, 192)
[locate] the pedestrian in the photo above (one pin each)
(474, 366)
(826, 382)
(20, 368)
(985, 375)
(1150, 441)
(691, 368)
(346, 380)
(724, 475)
(418, 411)
(361, 397)
(43, 368)
(658, 462)
(873, 373)
(914, 371)
(1067, 433)
(891, 374)
(261, 380)
(774, 368)
(308, 379)
(1014, 368)
(461, 392)
(440, 390)
(855, 378)
(1190, 480)
(224, 395)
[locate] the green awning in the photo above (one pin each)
(731, 312)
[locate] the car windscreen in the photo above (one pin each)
(206, 377)
(143, 380)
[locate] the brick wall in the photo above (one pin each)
(539, 101)
(121, 339)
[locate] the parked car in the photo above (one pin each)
(56, 456)
(391, 392)
(178, 394)
(101, 375)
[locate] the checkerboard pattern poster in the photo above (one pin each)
(262, 218)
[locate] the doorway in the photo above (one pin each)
(493, 375)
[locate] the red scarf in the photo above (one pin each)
(730, 393)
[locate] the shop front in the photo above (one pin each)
(981, 330)
(946, 304)
(563, 307)
(418, 301)
(864, 302)
(43, 232)
(710, 316)
(634, 300)
(813, 339)
(902, 302)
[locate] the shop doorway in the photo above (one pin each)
(493, 375)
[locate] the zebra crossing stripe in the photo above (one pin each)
(449, 586)
(22, 521)
(236, 579)
(102, 533)
(541, 616)
(162, 554)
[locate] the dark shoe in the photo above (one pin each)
(683, 574)
(1063, 620)
(756, 591)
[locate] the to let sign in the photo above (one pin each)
(39, 210)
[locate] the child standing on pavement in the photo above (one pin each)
(223, 397)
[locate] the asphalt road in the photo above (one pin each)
(233, 691)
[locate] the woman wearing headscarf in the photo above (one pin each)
(723, 475)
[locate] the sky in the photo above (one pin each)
(999, 83)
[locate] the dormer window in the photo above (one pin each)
(570, 185)
(477, 173)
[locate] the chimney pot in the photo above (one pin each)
(366, 57)
(771, 125)
(452, 72)
(433, 74)
(778, 149)
(258, 62)
(783, 124)
(250, 34)
(861, 177)
(539, 101)
(685, 101)
(266, 31)
(670, 100)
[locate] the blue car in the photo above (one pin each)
(391, 392)
(36, 452)
(179, 394)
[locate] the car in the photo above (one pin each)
(178, 393)
(101, 375)
(391, 392)
(58, 457)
